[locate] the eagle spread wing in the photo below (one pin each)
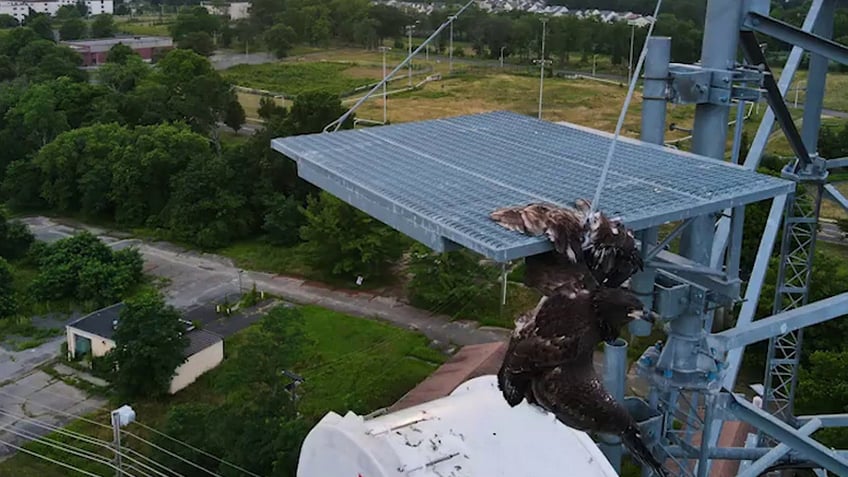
(606, 247)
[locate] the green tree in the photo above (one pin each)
(22, 185)
(84, 269)
(103, 26)
(45, 61)
(185, 87)
(150, 341)
(73, 29)
(7, 21)
(199, 42)
(312, 111)
(255, 427)
(283, 220)
(15, 238)
(195, 425)
(120, 54)
(192, 20)
(823, 389)
(77, 168)
(234, 116)
(453, 277)
(367, 247)
(40, 23)
(145, 167)
(124, 75)
(203, 209)
(8, 298)
(280, 39)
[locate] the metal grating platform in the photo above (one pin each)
(437, 180)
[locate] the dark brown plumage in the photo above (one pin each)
(604, 246)
(549, 362)
(564, 328)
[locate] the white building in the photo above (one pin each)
(91, 335)
(20, 9)
(233, 10)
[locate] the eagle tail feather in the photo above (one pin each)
(632, 440)
(511, 393)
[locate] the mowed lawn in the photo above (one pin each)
(292, 79)
(352, 364)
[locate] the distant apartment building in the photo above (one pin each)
(20, 9)
(95, 51)
(233, 10)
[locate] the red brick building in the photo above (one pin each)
(94, 51)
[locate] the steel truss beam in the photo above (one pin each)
(758, 145)
(793, 286)
(784, 433)
(834, 163)
(827, 420)
(796, 36)
(836, 196)
(785, 322)
(754, 55)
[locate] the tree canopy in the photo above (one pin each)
(150, 341)
(84, 269)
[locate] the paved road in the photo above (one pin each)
(222, 60)
(830, 232)
(196, 278)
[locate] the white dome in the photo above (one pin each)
(471, 433)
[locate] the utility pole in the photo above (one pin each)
(450, 46)
(384, 49)
(120, 418)
(409, 31)
(542, 62)
(630, 63)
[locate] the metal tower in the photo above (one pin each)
(436, 181)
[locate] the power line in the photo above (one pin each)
(41, 456)
(139, 454)
(58, 444)
(197, 466)
(69, 449)
(58, 410)
(196, 449)
(93, 441)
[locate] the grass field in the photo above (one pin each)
(291, 79)
(147, 27)
(835, 97)
(353, 363)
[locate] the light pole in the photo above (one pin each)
(542, 63)
(120, 418)
(384, 49)
(502, 49)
